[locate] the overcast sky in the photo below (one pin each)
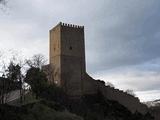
(122, 37)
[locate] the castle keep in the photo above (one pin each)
(67, 58)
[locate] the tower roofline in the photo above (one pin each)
(68, 25)
(71, 25)
(59, 24)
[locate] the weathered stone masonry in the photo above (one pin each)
(67, 58)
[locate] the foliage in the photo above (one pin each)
(37, 79)
(14, 72)
(12, 81)
(35, 111)
(53, 93)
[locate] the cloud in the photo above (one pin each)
(139, 77)
(121, 37)
(148, 95)
(127, 35)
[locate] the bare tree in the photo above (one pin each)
(13, 75)
(110, 84)
(130, 92)
(36, 61)
(11, 66)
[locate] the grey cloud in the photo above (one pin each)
(119, 34)
(140, 77)
(127, 36)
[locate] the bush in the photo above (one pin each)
(53, 93)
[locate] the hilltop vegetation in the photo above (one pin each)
(88, 108)
(36, 111)
(51, 102)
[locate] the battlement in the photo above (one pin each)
(68, 25)
(71, 25)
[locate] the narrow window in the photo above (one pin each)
(70, 48)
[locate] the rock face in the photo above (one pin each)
(67, 58)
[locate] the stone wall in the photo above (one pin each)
(132, 103)
(155, 111)
(67, 57)
(89, 85)
(55, 51)
(129, 101)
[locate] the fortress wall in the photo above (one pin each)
(129, 101)
(132, 103)
(89, 85)
(71, 75)
(72, 58)
(54, 52)
(155, 112)
(67, 57)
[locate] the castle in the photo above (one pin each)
(67, 58)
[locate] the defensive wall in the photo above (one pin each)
(133, 104)
(67, 58)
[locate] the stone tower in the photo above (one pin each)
(67, 56)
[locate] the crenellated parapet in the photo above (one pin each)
(78, 27)
(71, 25)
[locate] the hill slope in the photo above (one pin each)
(37, 111)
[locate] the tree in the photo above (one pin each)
(35, 76)
(110, 84)
(15, 75)
(14, 72)
(37, 79)
(37, 61)
(130, 92)
(12, 80)
(53, 93)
